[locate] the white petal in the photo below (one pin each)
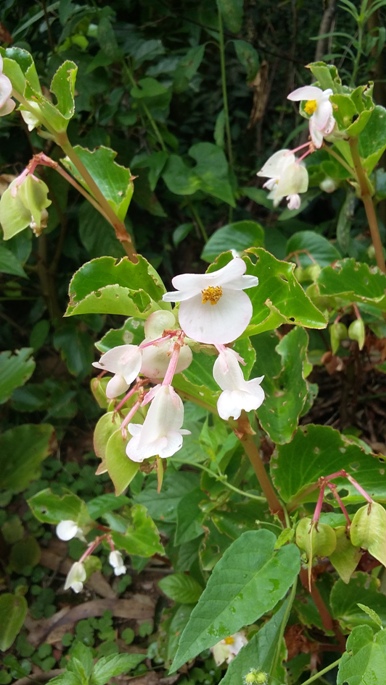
(124, 360)
(316, 135)
(305, 93)
(5, 89)
(76, 577)
(227, 371)
(7, 107)
(274, 165)
(66, 530)
(293, 201)
(116, 386)
(220, 323)
(322, 115)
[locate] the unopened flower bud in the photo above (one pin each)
(368, 530)
(315, 540)
(356, 331)
(116, 561)
(328, 185)
(338, 332)
(76, 577)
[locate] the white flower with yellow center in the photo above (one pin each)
(319, 109)
(213, 307)
(227, 649)
(286, 178)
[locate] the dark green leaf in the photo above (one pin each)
(15, 370)
(22, 449)
(13, 610)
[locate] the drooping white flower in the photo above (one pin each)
(319, 108)
(286, 178)
(7, 105)
(67, 530)
(238, 394)
(161, 433)
(76, 577)
(116, 561)
(227, 649)
(213, 307)
(124, 361)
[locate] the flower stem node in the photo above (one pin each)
(213, 307)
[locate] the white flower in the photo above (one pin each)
(66, 530)
(214, 309)
(156, 357)
(319, 108)
(116, 561)
(124, 361)
(7, 105)
(286, 178)
(227, 649)
(161, 433)
(238, 394)
(76, 577)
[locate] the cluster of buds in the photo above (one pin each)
(213, 310)
(287, 176)
(77, 575)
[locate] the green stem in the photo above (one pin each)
(246, 434)
(198, 221)
(222, 478)
(282, 628)
(322, 672)
(224, 89)
(365, 192)
(118, 225)
(145, 108)
(340, 159)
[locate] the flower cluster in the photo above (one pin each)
(287, 176)
(213, 310)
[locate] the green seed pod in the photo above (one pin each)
(338, 332)
(356, 331)
(368, 530)
(315, 540)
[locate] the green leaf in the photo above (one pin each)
(48, 507)
(326, 75)
(365, 658)
(351, 281)
(372, 140)
(260, 653)
(197, 383)
(113, 180)
(210, 175)
(317, 451)
(162, 506)
(75, 346)
(18, 65)
(13, 610)
(9, 264)
(121, 469)
(232, 13)
(181, 588)
(278, 298)
(248, 57)
(249, 580)
(96, 234)
(239, 236)
(98, 506)
(108, 667)
(109, 286)
(141, 536)
(15, 370)
(285, 385)
(22, 449)
(63, 87)
(307, 247)
(24, 553)
(189, 517)
(345, 221)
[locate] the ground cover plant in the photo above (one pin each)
(193, 343)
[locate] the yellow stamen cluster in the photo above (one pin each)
(229, 640)
(310, 106)
(212, 294)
